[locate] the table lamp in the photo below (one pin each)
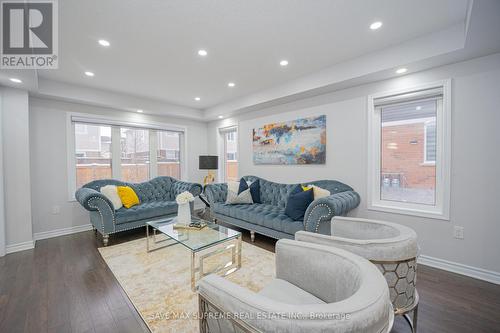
(209, 163)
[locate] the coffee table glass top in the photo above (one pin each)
(195, 240)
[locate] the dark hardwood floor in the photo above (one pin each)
(63, 285)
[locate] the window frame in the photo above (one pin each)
(181, 158)
(223, 150)
(116, 123)
(72, 141)
(441, 209)
(149, 134)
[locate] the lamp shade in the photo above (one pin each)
(209, 162)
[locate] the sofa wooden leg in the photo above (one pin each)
(105, 239)
(252, 236)
(95, 231)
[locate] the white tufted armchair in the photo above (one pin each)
(391, 247)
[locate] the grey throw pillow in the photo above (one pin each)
(244, 197)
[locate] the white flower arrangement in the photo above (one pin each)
(184, 197)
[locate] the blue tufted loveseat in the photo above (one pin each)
(157, 198)
(268, 218)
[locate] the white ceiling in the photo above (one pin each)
(154, 43)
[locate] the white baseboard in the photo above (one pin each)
(61, 232)
(19, 247)
(455, 267)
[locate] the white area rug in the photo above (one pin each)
(158, 283)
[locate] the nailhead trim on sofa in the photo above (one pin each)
(328, 216)
(100, 213)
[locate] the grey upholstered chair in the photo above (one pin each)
(317, 289)
(391, 247)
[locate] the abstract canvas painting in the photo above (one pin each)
(301, 141)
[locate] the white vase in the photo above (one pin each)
(184, 213)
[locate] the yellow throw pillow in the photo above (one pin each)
(319, 192)
(127, 196)
(306, 188)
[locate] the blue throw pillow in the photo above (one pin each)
(297, 189)
(254, 189)
(297, 203)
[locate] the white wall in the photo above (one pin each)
(16, 169)
(475, 180)
(49, 159)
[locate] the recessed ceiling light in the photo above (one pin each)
(202, 53)
(220, 117)
(419, 108)
(231, 84)
(375, 25)
(103, 42)
(140, 111)
(197, 98)
(89, 74)
(15, 80)
(284, 63)
(401, 70)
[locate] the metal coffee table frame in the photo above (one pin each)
(203, 253)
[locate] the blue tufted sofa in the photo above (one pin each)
(268, 218)
(157, 198)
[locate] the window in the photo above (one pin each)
(230, 154)
(231, 136)
(109, 148)
(81, 129)
(403, 176)
(134, 146)
(92, 153)
(409, 152)
(168, 154)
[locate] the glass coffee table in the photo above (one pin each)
(203, 243)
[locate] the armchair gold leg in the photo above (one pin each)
(413, 321)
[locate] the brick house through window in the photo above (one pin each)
(408, 152)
